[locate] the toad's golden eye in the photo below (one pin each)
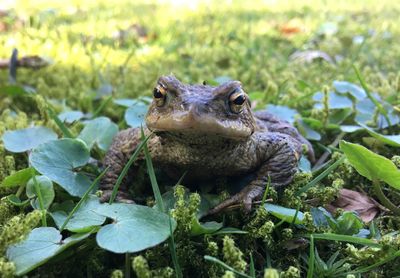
(237, 100)
(159, 94)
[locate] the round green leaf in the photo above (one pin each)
(134, 228)
(99, 131)
(134, 115)
(42, 244)
(71, 116)
(282, 112)
(286, 214)
(199, 228)
(307, 131)
(126, 102)
(22, 140)
(371, 165)
(84, 219)
(336, 101)
(347, 87)
(20, 177)
(58, 161)
(46, 191)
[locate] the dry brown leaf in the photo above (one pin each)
(291, 27)
(350, 200)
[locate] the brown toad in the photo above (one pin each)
(210, 132)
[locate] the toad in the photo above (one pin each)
(210, 132)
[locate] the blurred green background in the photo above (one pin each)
(125, 46)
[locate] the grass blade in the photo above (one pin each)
(66, 132)
(311, 259)
(153, 179)
(320, 176)
(172, 250)
(160, 205)
(41, 205)
(224, 265)
(373, 266)
(381, 109)
(101, 107)
(346, 238)
(91, 187)
(126, 168)
(252, 267)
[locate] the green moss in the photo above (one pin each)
(17, 228)
(271, 273)
(232, 255)
(117, 274)
(228, 274)
(141, 267)
(292, 272)
(7, 269)
(184, 211)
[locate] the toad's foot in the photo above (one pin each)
(245, 197)
(121, 197)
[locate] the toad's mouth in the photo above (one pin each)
(193, 124)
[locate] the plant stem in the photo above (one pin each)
(311, 259)
(91, 187)
(127, 265)
(41, 205)
(383, 199)
(20, 190)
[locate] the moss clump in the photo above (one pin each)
(13, 231)
(142, 270)
(228, 274)
(271, 273)
(117, 274)
(292, 272)
(184, 210)
(232, 255)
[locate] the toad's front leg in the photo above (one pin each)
(279, 157)
(122, 147)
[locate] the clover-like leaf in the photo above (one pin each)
(59, 160)
(71, 116)
(41, 245)
(20, 177)
(347, 87)
(134, 228)
(371, 165)
(285, 214)
(134, 115)
(335, 101)
(22, 140)
(199, 228)
(283, 112)
(99, 131)
(307, 131)
(46, 191)
(84, 219)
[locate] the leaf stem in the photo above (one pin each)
(82, 199)
(41, 204)
(311, 259)
(384, 200)
(127, 265)
(20, 190)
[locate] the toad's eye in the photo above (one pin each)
(159, 94)
(237, 100)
